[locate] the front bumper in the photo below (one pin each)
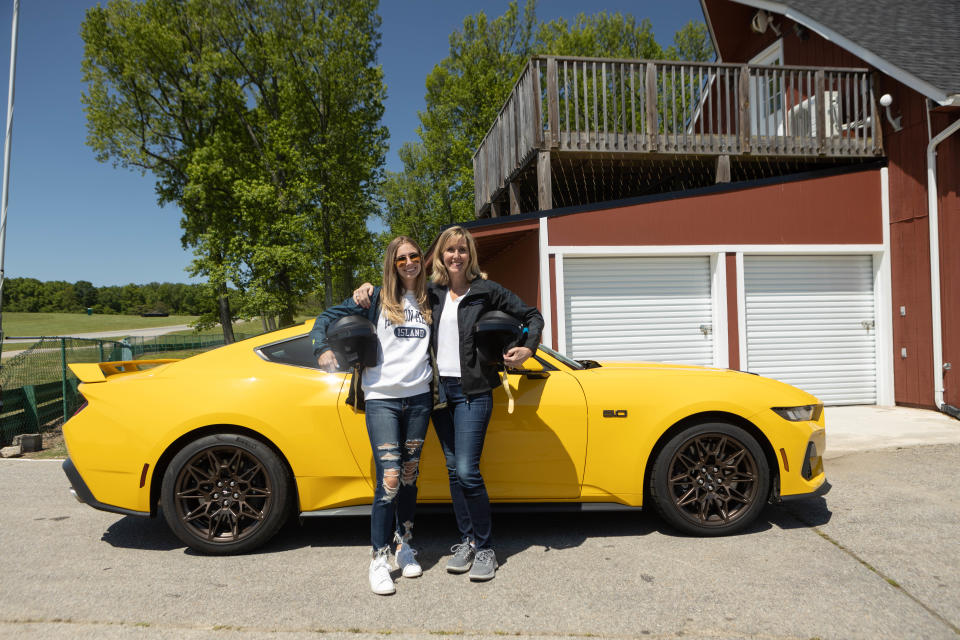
(83, 494)
(822, 490)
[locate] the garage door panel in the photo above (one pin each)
(691, 312)
(814, 328)
(810, 323)
(631, 308)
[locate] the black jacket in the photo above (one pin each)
(484, 295)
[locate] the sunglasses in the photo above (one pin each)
(413, 258)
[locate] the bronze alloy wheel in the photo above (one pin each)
(711, 480)
(222, 494)
(225, 493)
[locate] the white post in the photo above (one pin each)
(6, 155)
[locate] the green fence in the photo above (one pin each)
(141, 346)
(39, 391)
(28, 409)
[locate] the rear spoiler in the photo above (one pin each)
(100, 371)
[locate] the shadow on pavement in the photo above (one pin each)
(803, 514)
(436, 532)
(147, 534)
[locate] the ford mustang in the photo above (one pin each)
(230, 443)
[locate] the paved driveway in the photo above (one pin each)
(877, 558)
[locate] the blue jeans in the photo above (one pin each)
(396, 428)
(461, 428)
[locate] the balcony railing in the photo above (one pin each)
(606, 106)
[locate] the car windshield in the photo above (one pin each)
(573, 364)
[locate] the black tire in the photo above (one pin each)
(710, 480)
(213, 516)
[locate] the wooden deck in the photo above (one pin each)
(591, 107)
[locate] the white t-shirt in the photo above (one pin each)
(404, 368)
(448, 338)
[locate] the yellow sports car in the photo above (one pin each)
(229, 443)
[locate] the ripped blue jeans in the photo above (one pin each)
(396, 427)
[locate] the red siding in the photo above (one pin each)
(842, 209)
(910, 261)
(948, 180)
(738, 43)
(733, 330)
(515, 266)
(909, 247)
(553, 302)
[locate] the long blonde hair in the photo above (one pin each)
(391, 296)
(440, 274)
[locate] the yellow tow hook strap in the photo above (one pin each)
(353, 381)
(506, 388)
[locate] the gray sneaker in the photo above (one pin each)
(462, 558)
(484, 566)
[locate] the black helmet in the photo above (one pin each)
(495, 333)
(354, 342)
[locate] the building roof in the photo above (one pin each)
(913, 41)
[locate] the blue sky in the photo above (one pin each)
(72, 218)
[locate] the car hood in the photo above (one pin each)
(692, 383)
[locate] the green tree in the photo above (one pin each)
(86, 293)
(465, 91)
(260, 120)
(602, 35)
(692, 42)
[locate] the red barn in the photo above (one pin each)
(788, 209)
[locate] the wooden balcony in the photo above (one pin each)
(568, 119)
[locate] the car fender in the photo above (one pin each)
(631, 410)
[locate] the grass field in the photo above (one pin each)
(18, 323)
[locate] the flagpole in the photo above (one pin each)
(6, 156)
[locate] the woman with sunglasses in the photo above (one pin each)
(460, 294)
(397, 399)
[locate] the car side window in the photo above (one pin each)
(295, 351)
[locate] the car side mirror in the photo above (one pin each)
(532, 364)
(532, 369)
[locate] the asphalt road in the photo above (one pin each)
(876, 558)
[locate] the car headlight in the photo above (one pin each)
(799, 414)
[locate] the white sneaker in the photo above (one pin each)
(407, 561)
(380, 581)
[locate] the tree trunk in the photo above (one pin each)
(287, 312)
(327, 271)
(226, 321)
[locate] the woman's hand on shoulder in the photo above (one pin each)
(516, 356)
(363, 294)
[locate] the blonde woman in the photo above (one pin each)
(397, 398)
(459, 294)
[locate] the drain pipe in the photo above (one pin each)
(933, 218)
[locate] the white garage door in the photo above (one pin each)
(652, 309)
(810, 322)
